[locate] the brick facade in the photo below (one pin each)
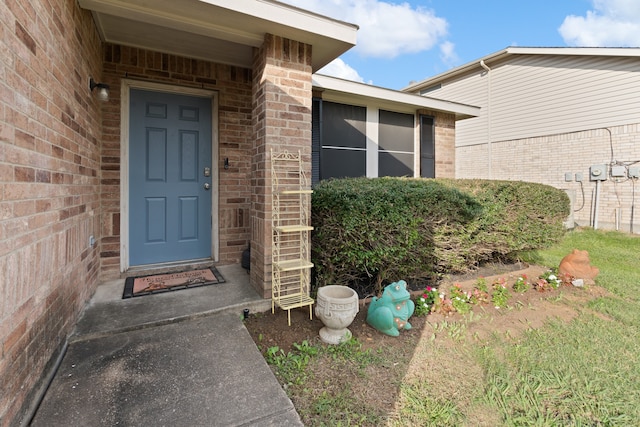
(281, 121)
(445, 141)
(233, 86)
(60, 168)
(49, 172)
(546, 160)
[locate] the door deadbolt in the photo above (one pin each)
(207, 186)
(207, 171)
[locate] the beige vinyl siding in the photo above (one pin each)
(535, 95)
(472, 89)
(565, 95)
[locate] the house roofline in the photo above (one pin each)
(223, 31)
(515, 50)
(348, 90)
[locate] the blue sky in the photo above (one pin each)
(404, 41)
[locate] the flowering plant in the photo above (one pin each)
(426, 301)
(443, 305)
(547, 281)
(500, 294)
(481, 284)
(541, 285)
(521, 285)
(567, 279)
(480, 292)
(478, 296)
(460, 299)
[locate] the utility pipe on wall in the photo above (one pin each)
(595, 208)
(489, 155)
(633, 202)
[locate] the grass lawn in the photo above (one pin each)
(582, 372)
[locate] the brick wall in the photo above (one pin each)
(282, 121)
(546, 160)
(233, 85)
(49, 172)
(445, 140)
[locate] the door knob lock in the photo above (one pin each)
(207, 186)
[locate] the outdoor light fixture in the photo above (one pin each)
(103, 89)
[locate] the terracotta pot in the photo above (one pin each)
(336, 307)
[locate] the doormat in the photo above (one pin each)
(157, 283)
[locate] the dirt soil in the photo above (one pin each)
(375, 388)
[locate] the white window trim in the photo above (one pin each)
(372, 127)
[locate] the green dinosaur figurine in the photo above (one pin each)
(390, 313)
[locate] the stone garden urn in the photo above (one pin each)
(336, 307)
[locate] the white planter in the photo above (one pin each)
(336, 307)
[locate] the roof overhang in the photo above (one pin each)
(510, 51)
(224, 31)
(346, 91)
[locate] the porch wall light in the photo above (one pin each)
(103, 89)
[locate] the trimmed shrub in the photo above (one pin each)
(369, 232)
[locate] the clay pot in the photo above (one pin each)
(336, 307)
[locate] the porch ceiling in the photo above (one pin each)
(222, 31)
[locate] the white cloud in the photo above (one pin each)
(386, 30)
(448, 54)
(611, 23)
(338, 68)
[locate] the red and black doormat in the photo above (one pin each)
(157, 283)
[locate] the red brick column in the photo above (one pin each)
(281, 121)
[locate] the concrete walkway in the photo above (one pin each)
(180, 358)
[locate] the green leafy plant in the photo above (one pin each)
(305, 348)
(521, 285)
(352, 351)
(481, 284)
(424, 303)
(500, 295)
(460, 299)
(291, 366)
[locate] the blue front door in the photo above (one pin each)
(170, 177)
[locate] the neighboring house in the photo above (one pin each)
(555, 116)
(200, 92)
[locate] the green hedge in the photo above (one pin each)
(369, 232)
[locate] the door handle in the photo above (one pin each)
(207, 186)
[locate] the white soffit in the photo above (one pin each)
(346, 91)
(223, 31)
